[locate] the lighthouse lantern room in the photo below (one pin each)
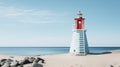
(79, 44)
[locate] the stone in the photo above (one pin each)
(2, 60)
(35, 64)
(31, 59)
(40, 59)
(14, 63)
(6, 64)
(26, 60)
(111, 66)
(20, 62)
(2, 63)
(20, 66)
(9, 60)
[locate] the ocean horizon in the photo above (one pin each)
(32, 51)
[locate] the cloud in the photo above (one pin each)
(11, 14)
(28, 15)
(6, 11)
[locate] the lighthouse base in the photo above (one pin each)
(79, 44)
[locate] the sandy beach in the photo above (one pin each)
(69, 60)
(95, 60)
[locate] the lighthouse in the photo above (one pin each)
(79, 44)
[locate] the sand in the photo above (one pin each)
(69, 60)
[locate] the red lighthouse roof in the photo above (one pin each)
(79, 22)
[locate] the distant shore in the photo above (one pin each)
(69, 60)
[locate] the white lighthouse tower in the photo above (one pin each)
(79, 44)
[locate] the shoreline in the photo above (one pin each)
(68, 60)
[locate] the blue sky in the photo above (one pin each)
(50, 22)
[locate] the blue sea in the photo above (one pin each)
(31, 51)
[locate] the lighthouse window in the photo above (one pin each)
(79, 22)
(74, 50)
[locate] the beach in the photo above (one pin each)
(70, 60)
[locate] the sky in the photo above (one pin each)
(50, 22)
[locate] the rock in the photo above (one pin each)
(9, 60)
(20, 62)
(7, 64)
(14, 63)
(36, 61)
(26, 60)
(35, 64)
(40, 59)
(31, 59)
(2, 63)
(43, 61)
(2, 60)
(40, 62)
(11, 57)
(111, 66)
(20, 66)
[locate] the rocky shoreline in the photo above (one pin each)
(34, 61)
(106, 59)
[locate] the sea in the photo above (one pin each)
(33, 51)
